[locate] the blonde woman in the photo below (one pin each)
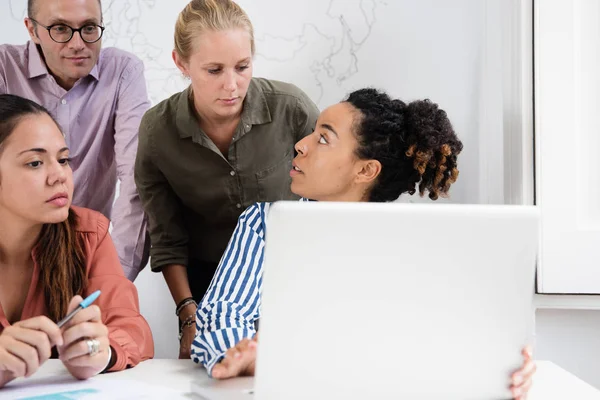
(209, 152)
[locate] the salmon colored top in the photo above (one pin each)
(129, 333)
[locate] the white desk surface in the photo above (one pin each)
(550, 382)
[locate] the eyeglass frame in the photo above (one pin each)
(73, 30)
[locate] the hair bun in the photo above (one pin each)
(414, 143)
(433, 147)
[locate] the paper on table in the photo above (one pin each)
(57, 388)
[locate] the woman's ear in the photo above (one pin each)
(369, 171)
(180, 63)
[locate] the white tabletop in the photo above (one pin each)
(551, 382)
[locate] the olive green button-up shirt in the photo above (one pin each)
(192, 193)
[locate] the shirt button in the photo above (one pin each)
(238, 205)
(247, 126)
(63, 102)
(232, 173)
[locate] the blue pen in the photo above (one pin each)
(85, 303)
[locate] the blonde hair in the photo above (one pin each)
(208, 15)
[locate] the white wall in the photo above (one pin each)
(158, 308)
(571, 339)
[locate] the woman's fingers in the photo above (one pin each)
(524, 390)
(527, 353)
(90, 314)
(27, 354)
(84, 330)
(29, 341)
(529, 370)
(238, 361)
(38, 340)
(228, 368)
(520, 393)
(86, 324)
(45, 325)
(74, 303)
(80, 349)
(523, 378)
(526, 372)
(13, 365)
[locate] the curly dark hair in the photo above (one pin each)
(415, 144)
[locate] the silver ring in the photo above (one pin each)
(93, 346)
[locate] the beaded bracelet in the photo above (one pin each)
(189, 321)
(183, 303)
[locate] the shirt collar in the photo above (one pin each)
(37, 66)
(94, 72)
(255, 112)
(186, 122)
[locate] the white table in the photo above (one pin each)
(550, 383)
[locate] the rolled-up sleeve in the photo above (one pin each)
(168, 234)
(128, 332)
(231, 305)
(129, 222)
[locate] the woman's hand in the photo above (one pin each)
(239, 360)
(188, 332)
(25, 346)
(522, 379)
(75, 354)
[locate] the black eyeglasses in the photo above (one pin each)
(61, 33)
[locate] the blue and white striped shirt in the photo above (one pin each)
(231, 305)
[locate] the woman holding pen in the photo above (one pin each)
(52, 254)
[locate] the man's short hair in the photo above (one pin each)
(32, 7)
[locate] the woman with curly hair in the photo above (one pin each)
(370, 148)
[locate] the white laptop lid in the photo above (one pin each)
(403, 301)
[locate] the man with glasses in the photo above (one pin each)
(98, 96)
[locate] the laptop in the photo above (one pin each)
(394, 301)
